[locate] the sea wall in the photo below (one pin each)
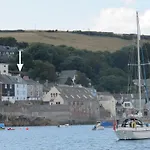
(51, 114)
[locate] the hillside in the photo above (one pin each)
(75, 40)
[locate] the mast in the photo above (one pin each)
(139, 61)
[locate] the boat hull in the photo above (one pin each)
(133, 133)
(98, 128)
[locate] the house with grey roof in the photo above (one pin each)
(20, 88)
(72, 77)
(16, 85)
(65, 74)
(34, 89)
(78, 98)
(7, 89)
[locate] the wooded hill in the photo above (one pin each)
(84, 40)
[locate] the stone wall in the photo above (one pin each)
(56, 113)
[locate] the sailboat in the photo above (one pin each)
(132, 128)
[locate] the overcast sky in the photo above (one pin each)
(100, 15)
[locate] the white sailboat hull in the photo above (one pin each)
(133, 133)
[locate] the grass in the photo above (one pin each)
(93, 43)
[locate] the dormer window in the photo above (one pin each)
(72, 96)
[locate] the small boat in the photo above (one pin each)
(132, 129)
(98, 126)
(10, 129)
(64, 125)
(2, 126)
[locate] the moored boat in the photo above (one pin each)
(132, 129)
(2, 126)
(98, 126)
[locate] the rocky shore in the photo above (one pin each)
(25, 121)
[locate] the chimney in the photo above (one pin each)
(26, 77)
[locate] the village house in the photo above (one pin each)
(7, 89)
(13, 88)
(78, 98)
(108, 102)
(65, 74)
(20, 88)
(6, 52)
(3, 68)
(34, 89)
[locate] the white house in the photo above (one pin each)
(20, 88)
(108, 102)
(3, 68)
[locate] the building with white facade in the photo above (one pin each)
(3, 68)
(20, 88)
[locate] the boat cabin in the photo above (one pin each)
(132, 122)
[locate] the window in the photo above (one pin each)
(78, 96)
(17, 92)
(4, 65)
(17, 85)
(127, 104)
(72, 96)
(56, 94)
(66, 96)
(84, 96)
(10, 86)
(8, 93)
(57, 102)
(51, 95)
(4, 71)
(5, 86)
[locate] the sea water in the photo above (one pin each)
(80, 137)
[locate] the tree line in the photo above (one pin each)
(107, 71)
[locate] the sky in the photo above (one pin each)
(118, 16)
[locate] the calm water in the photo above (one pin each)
(69, 138)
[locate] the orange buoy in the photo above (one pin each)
(27, 128)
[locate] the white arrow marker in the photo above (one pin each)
(20, 65)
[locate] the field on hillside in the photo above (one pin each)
(79, 41)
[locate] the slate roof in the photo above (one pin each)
(75, 93)
(64, 75)
(5, 80)
(11, 79)
(30, 81)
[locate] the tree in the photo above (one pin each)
(8, 41)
